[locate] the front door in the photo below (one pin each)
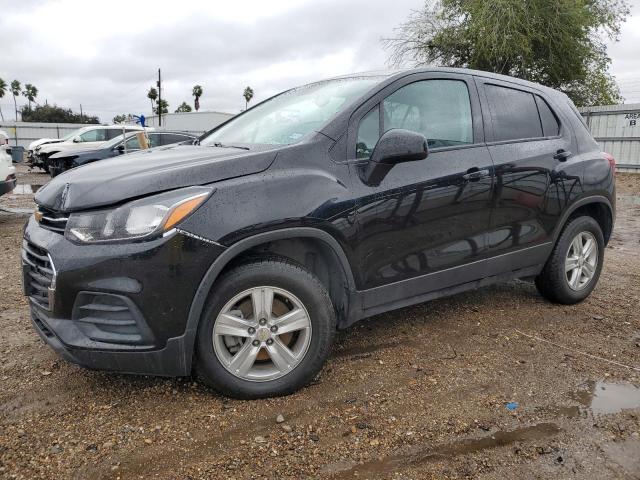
(423, 227)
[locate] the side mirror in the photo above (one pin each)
(76, 140)
(120, 148)
(395, 146)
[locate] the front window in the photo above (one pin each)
(438, 109)
(287, 118)
(69, 136)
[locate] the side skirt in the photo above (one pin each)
(524, 263)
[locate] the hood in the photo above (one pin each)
(42, 141)
(114, 180)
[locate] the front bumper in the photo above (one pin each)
(120, 307)
(8, 185)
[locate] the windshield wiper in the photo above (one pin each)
(218, 144)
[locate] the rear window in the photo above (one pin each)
(514, 113)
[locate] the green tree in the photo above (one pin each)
(120, 118)
(163, 107)
(197, 92)
(55, 114)
(3, 90)
(15, 91)
(152, 95)
(184, 107)
(559, 43)
(30, 92)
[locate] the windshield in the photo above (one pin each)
(287, 118)
(69, 136)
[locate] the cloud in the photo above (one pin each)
(107, 57)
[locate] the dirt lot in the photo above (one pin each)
(418, 393)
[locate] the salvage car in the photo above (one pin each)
(8, 178)
(82, 139)
(63, 161)
(45, 141)
(239, 257)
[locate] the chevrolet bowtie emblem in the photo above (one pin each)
(37, 215)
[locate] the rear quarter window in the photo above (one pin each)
(550, 124)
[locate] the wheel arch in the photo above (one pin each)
(597, 207)
(331, 260)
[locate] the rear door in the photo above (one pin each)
(527, 141)
(423, 227)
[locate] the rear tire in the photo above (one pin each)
(573, 269)
(276, 357)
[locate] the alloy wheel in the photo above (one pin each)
(581, 261)
(262, 334)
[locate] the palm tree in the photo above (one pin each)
(152, 95)
(3, 90)
(248, 95)
(197, 92)
(31, 92)
(15, 91)
(184, 107)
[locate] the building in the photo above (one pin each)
(617, 130)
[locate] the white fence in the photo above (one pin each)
(192, 122)
(23, 133)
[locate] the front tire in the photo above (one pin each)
(573, 269)
(266, 330)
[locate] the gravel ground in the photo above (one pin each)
(422, 392)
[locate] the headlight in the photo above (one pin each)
(144, 218)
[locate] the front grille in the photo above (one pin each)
(39, 273)
(52, 220)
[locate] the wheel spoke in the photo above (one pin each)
(294, 320)
(588, 269)
(570, 264)
(577, 245)
(262, 299)
(228, 324)
(588, 248)
(242, 361)
(282, 357)
(576, 274)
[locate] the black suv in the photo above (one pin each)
(326, 204)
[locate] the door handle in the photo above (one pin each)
(562, 155)
(474, 174)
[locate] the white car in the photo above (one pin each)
(45, 141)
(7, 170)
(83, 139)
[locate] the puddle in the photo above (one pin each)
(605, 397)
(416, 456)
(25, 189)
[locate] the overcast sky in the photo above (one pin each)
(105, 55)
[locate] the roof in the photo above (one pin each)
(393, 74)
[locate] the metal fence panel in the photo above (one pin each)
(23, 133)
(616, 128)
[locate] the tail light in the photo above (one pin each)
(611, 160)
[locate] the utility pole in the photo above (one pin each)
(159, 99)
(81, 113)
